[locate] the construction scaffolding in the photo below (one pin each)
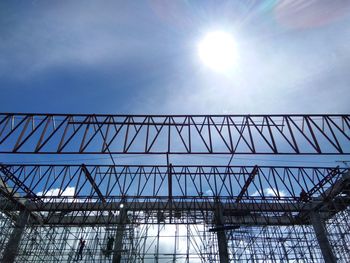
(184, 209)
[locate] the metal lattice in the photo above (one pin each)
(179, 210)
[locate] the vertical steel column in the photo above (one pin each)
(118, 243)
(221, 235)
(11, 248)
(321, 234)
(170, 186)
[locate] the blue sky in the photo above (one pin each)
(141, 57)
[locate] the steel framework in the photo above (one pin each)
(172, 212)
(165, 134)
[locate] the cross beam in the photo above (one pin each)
(93, 220)
(183, 205)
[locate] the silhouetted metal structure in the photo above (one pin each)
(179, 134)
(172, 212)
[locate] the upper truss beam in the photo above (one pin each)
(174, 134)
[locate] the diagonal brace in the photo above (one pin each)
(247, 183)
(92, 182)
(334, 172)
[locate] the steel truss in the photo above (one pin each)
(178, 134)
(173, 212)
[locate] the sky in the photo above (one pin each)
(141, 57)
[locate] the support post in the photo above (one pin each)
(221, 235)
(170, 191)
(321, 234)
(11, 249)
(170, 185)
(118, 243)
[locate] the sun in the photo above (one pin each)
(218, 51)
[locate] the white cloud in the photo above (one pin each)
(69, 191)
(270, 192)
(52, 194)
(274, 192)
(209, 193)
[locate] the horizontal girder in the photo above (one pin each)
(181, 205)
(174, 134)
(106, 220)
(257, 212)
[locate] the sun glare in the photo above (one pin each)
(217, 50)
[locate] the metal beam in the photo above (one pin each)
(158, 134)
(247, 183)
(256, 220)
(170, 181)
(92, 182)
(184, 181)
(178, 205)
